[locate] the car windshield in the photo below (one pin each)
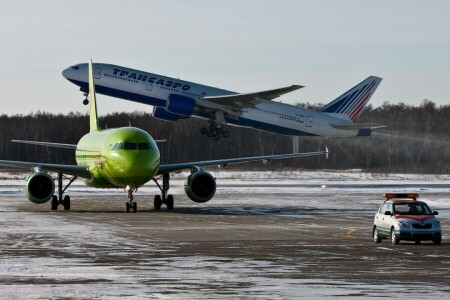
(411, 209)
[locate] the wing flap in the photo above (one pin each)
(249, 99)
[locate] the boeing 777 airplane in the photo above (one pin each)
(173, 99)
(124, 158)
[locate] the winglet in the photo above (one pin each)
(93, 118)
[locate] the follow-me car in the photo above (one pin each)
(402, 217)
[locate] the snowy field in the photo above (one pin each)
(265, 235)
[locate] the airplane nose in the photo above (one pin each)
(65, 73)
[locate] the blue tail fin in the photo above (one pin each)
(352, 102)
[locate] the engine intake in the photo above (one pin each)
(39, 187)
(200, 186)
(162, 114)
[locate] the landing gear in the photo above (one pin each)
(85, 101)
(168, 200)
(58, 199)
(130, 205)
(215, 131)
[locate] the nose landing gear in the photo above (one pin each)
(85, 101)
(130, 205)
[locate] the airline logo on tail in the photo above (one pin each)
(353, 101)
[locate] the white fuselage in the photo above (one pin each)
(154, 89)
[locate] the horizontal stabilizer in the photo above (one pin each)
(358, 126)
(56, 145)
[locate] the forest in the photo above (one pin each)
(416, 140)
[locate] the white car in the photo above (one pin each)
(402, 217)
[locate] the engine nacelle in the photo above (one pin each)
(200, 186)
(180, 105)
(39, 187)
(161, 113)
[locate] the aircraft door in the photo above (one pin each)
(97, 73)
(309, 121)
(149, 86)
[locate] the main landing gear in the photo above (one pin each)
(59, 199)
(130, 205)
(215, 131)
(159, 200)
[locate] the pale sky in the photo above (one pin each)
(244, 46)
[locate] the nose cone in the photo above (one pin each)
(65, 73)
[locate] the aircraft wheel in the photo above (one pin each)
(85, 101)
(127, 207)
(217, 137)
(204, 130)
(66, 203)
(134, 207)
(226, 133)
(54, 203)
(169, 202)
(157, 202)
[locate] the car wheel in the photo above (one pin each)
(394, 238)
(376, 236)
(437, 241)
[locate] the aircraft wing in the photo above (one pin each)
(167, 168)
(357, 126)
(56, 145)
(66, 169)
(239, 101)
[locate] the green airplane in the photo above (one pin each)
(125, 158)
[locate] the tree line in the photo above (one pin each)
(416, 139)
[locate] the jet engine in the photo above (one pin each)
(39, 187)
(162, 114)
(180, 105)
(200, 186)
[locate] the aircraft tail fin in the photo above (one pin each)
(93, 118)
(352, 102)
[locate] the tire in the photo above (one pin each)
(157, 202)
(226, 134)
(437, 241)
(134, 207)
(170, 202)
(66, 203)
(417, 242)
(127, 207)
(394, 237)
(376, 236)
(204, 130)
(54, 204)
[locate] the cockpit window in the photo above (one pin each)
(74, 67)
(130, 146)
(134, 146)
(143, 146)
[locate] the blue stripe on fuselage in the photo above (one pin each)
(160, 102)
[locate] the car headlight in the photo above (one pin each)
(437, 225)
(404, 224)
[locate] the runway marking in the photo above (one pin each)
(350, 233)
